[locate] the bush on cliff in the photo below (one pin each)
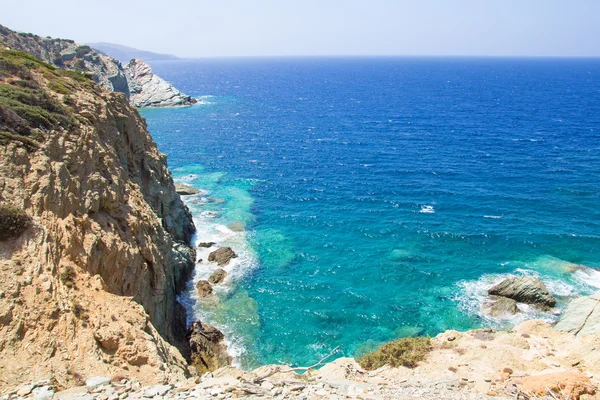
(405, 352)
(13, 221)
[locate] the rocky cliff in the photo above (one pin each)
(94, 246)
(136, 80)
(150, 90)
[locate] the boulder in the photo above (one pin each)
(206, 244)
(497, 306)
(218, 276)
(222, 256)
(186, 190)
(525, 289)
(207, 350)
(204, 289)
(582, 316)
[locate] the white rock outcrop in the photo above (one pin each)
(149, 90)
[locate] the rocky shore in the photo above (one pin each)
(533, 360)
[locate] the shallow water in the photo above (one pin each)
(371, 199)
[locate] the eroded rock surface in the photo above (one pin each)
(582, 316)
(149, 90)
(207, 350)
(91, 286)
(526, 289)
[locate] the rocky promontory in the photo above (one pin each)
(149, 90)
(136, 81)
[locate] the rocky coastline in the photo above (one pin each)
(96, 247)
(136, 80)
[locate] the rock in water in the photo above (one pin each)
(218, 276)
(204, 288)
(526, 289)
(206, 244)
(149, 90)
(185, 190)
(498, 306)
(222, 256)
(582, 316)
(207, 350)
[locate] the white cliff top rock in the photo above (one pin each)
(149, 90)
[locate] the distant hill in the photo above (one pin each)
(125, 54)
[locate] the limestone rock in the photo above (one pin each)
(186, 190)
(67, 54)
(526, 289)
(218, 276)
(222, 256)
(207, 350)
(136, 81)
(149, 90)
(497, 306)
(96, 381)
(100, 269)
(204, 289)
(569, 385)
(582, 316)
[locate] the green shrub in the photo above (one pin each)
(82, 50)
(35, 106)
(59, 87)
(67, 276)
(405, 352)
(13, 221)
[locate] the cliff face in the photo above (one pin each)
(150, 90)
(136, 81)
(66, 54)
(90, 287)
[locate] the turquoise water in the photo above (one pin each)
(375, 198)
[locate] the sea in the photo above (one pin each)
(370, 199)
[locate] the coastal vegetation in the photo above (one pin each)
(13, 221)
(405, 352)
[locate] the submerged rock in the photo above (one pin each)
(526, 289)
(222, 256)
(186, 190)
(498, 306)
(582, 316)
(218, 276)
(207, 350)
(204, 288)
(206, 244)
(149, 90)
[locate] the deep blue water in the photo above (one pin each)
(374, 198)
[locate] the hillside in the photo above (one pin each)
(94, 240)
(148, 89)
(126, 54)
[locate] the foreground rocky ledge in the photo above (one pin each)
(523, 363)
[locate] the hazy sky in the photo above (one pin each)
(200, 28)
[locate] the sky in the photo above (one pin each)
(200, 28)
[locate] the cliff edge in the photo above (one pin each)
(94, 242)
(136, 81)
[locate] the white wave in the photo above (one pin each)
(427, 209)
(472, 295)
(211, 228)
(493, 216)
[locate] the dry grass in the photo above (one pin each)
(405, 352)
